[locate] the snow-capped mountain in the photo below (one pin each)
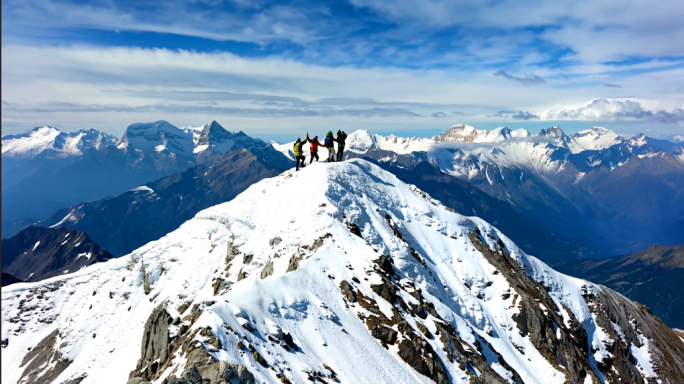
(357, 278)
(45, 169)
(467, 134)
(50, 142)
(677, 138)
(597, 138)
(38, 253)
(552, 179)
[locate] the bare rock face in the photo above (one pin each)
(268, 270)
(159, 349)
(156, 344)
(567, 347)
(44, 362)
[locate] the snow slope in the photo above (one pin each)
(316, 230)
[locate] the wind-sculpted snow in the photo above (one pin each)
(338, 272)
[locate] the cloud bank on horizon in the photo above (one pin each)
(378, 64)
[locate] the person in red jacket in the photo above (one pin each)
(313, 148)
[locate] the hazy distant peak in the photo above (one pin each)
(51, 142)
(461, 133)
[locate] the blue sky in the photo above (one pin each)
(276, 68)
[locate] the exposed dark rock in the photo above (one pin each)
(568, 350)
(220, 285)
(44, 362)
(156, 344)
(231, 252)
(268, 270)
(246, 259)
(385, 264)
(347, 291)
(380, 329)
(275, 241)
(419, 354)
(354, 228)
(241, 275)
(293, 264)
(259, 359)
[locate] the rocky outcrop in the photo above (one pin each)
(156, 344)
(567, 347)
(159, 349)
(44, 362)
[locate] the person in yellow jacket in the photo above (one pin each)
(299, 152)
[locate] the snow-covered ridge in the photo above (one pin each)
(288, 280)
(53, 143)
(158, 137)
(468, 134)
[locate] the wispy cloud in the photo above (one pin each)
(527, 79)
(611, 86)
(517, 115)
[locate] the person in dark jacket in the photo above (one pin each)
(299, 151)
(341, 137)
(314, 148)
(330, 146)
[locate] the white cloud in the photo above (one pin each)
(616, 110)
(109, 88)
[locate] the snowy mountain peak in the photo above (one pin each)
(360, 141)
(339, 272)
(213, 132)
(554, 131)
(461, 133)
(467, 134)
(520, 132)
(50, 142)
(159, 136)
(597, 138)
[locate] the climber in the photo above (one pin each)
(314, 148)
(298, 153)
(341, 137)
(330, 146)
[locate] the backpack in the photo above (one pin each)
(327, 142)
(298, 148)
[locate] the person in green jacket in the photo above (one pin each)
(329, 143)
(299, 152)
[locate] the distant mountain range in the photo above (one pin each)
(45, 169)
(38, 253)
(617, 194)
(125, 222)
(562, 198)
(654, 277)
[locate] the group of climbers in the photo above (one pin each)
(328, 143)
